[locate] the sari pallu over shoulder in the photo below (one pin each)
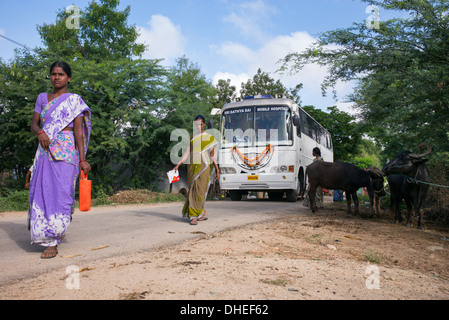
(60, 112)
(57, 115)
(200, 147)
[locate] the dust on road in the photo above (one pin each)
(327, 255)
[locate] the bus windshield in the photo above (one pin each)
(256, 126)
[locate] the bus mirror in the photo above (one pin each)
(215, 111)
(296, 120)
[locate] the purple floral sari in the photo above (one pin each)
(55, 171)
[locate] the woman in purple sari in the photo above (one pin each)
(63, 140)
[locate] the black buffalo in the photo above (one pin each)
(408, 178)
(343, 176)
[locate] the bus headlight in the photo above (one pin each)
(282, 169)
(227, 170)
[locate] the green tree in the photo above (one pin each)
(263, 84)
(369, 149)
(104, 34)
(122, 89)
(187, 93)
(20, 81)
(345, 131)
(226, 92)
(401, 70)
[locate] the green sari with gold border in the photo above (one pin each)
(199, 171)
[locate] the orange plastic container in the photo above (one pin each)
(85, 192)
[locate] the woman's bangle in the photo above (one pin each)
(40, 133)
(83, 161)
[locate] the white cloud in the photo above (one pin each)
(163, 38)
(267, 57)
(236, 79)
(250, 19)
(244, 61)
(347, 107)
(237, 55)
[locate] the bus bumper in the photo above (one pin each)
(266, 182)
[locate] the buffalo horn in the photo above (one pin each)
(421, 155)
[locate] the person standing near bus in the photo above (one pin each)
(316, 152)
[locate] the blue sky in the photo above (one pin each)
(226, 38)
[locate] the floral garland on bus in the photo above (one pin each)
(253, 163)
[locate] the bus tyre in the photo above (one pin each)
(235, 195)
(302, 185)
(292, 195)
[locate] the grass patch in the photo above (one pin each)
(18, 200)
(142, 196)
(372, 256)
(15, 201)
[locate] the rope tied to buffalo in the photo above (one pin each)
(413, 180)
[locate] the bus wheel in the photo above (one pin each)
(302, 185)
(292, 195)
(235, 195)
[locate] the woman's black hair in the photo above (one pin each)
(317, 151)
(64, 66)
(200, 116)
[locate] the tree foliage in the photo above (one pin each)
(19, 80)
(136, 103)
(263, 84)
(345, 131)
(401, 69)
(132, 99)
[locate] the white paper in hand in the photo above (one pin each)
(173, 176)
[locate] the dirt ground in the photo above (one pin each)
(327, 255)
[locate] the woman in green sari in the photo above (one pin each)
(199, 171)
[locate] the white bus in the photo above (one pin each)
(266, 144)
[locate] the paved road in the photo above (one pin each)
(122, 230)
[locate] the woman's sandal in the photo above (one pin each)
(194, 222)
(50, 252)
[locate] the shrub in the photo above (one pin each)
(14, 201)
(438, 197)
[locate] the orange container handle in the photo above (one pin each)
(83, 176)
